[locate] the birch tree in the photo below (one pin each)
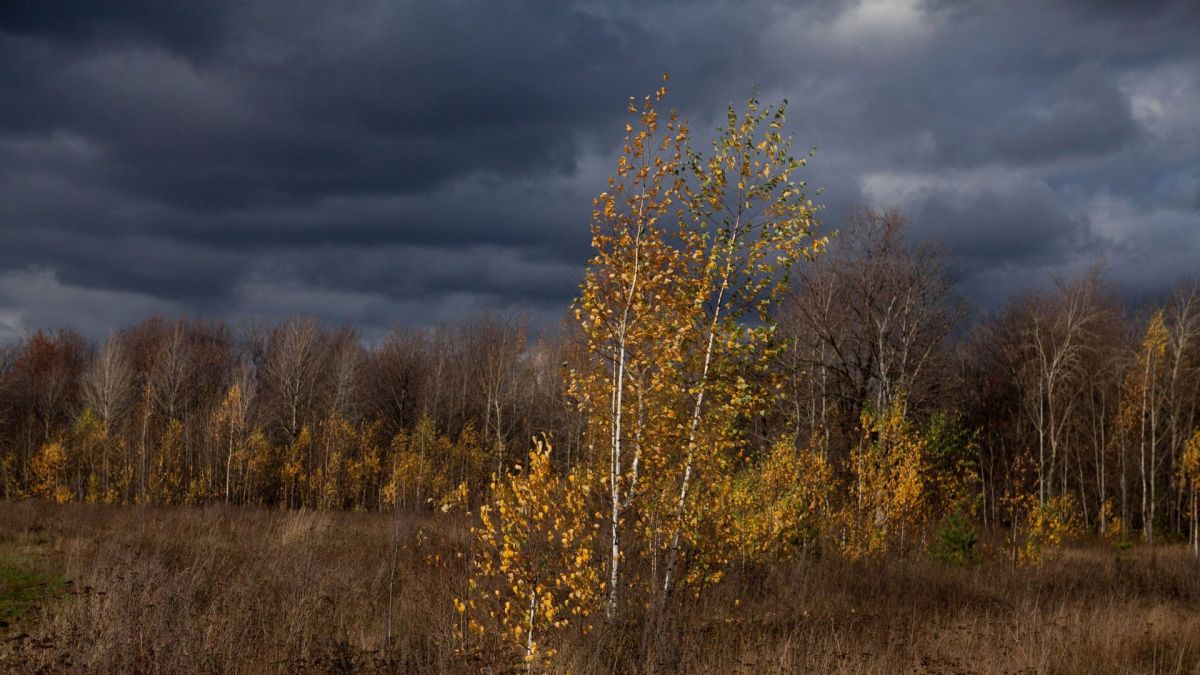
(677, 320)
(1054, 341)
(625, 311)
(1141, 414)
(747, 221)
(107, 384)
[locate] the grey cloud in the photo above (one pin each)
(999, 239)
(1017, 222)
(196, 27)
(399, 270)
(379, 162)
(1084, 115)
(154, 266)
(33, 297)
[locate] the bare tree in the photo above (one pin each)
(1054, 342)
(866, 323)
(497, 344)
(347, 357)
(1182, 388)
(295, 358)
(170, 375)
(107, 384)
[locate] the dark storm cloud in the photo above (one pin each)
(1021, 222)
(1084, 114)
(193, 27)
(400, 163)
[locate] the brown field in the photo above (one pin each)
(196, 590)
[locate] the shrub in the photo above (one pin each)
(955, 541)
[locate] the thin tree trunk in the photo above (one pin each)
(673, 555)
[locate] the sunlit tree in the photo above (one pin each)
(533, 575)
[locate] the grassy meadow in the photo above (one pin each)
(89, 588)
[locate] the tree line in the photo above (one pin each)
(1066, 389)
(1098, 398)
(294, 414)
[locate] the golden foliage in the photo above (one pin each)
(889, 483)
(262, 464)
(1140, 379)
(1189, 478)
(772, 508)
(49, 469)
(1048, 526)
(1040, 528)
(1111, 526)
(166, 476)
(533, 573)
(672, 369)
(429, 470)
(1189, 463)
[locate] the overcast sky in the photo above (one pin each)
(401, 163)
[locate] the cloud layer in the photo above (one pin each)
(389, 163)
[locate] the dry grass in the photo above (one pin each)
(240, 590)
(236, 590)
